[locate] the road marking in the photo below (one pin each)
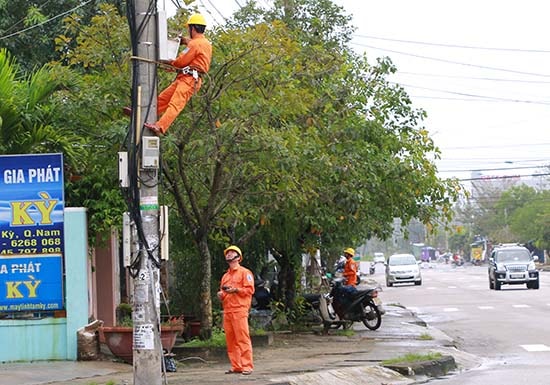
(536, 348)
(451, 287)
(431, 288)
(520, 306)
(450, 309)
(485, 307)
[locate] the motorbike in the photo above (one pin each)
(372, 268)
(457, 260)
(262, 297)
(343, 306)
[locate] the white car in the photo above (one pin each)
(379, 258)
(402, 268)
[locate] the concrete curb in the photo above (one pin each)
(347, 376)
(433, 368)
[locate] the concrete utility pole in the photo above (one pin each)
(146, 311)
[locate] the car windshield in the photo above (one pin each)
(397, 260)
(513, 256)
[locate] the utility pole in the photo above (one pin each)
(147, 351)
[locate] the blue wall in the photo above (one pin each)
(55, 338)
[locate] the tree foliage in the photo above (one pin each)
(28, 110)
(293, 135)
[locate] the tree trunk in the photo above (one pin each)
(205, 293)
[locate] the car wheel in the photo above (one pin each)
(491, 284)
(533, 285)
(497, 285)
(388, 283)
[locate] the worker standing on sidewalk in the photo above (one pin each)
(236, 290)
(191, 64)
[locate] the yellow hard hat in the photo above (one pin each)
(349, 251)
(197, 19)
(234, 248)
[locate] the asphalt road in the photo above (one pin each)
(509, 329)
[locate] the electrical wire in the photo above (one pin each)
(479, 97)
(45, 21)
(451, 61)
(453, 45)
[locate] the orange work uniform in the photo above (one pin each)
(235, 317)
(197, 55)
(350, 272)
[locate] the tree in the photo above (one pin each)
(92, 110)
(27, 111)
(28, 29)
(291, 132)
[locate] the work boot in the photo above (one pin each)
(153, 127)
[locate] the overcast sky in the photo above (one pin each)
(480, 69)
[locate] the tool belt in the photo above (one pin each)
(190, 72)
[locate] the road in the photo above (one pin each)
(508, 329)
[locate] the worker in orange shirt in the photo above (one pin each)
(192, 63)
(350, 267)
(236, 290)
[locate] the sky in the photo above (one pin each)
(480, 69)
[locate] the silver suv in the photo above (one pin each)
(512, 264)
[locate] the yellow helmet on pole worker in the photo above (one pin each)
(196, 19)
(236, 249)
(349, 251)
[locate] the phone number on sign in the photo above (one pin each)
(33, 246)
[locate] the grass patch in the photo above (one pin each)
(425, 337)
(413, 357)
(345, 332)
(216, 341)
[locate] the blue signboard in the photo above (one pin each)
(31, 232)
(31, 282)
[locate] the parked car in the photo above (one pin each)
(379, 258)
(402, 268)
(512, 264)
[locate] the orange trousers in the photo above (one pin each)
(172, 100)
(239, 345)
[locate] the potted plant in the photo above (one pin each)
(119, 339)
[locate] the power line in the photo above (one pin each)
(454, 45)
(495, 169)
(451, 61)
(44, 22)
(479, 97)
(503, 177)
(541, 82)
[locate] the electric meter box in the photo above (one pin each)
(168, 49)
(150, 152)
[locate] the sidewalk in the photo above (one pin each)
(291, 359)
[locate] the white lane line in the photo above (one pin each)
(485, 307)
(536, 348)
(431, 288)
(450, 309)
(521, 306)
(451, 287)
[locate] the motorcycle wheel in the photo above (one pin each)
(374, 323)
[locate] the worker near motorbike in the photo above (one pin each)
(191, 64)
(350, 267)
(236, 290)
